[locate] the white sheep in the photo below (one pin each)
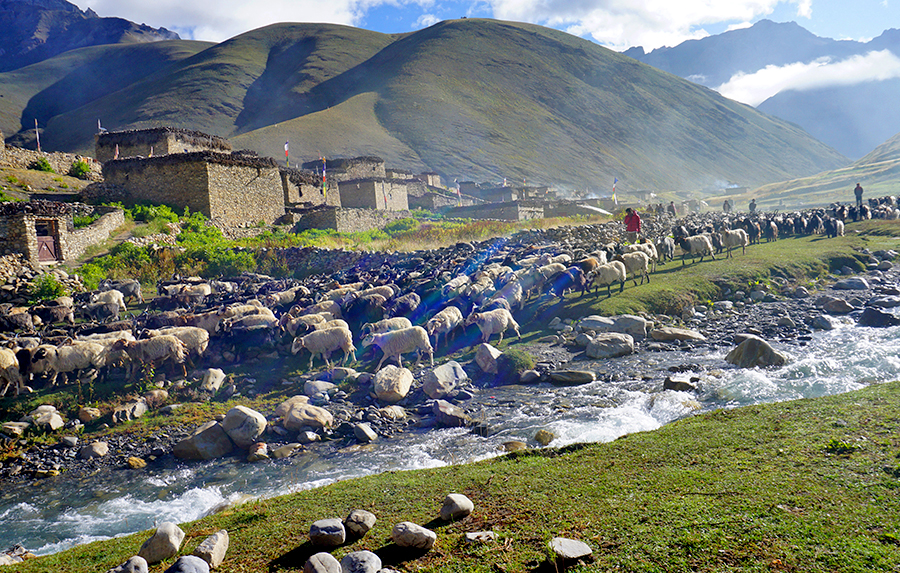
(648, 248)
(292, 324)
(385, 325)
(444, 322)
(696, 245)
(286, 296)
(325, 342)
(636, 263)
(73, 356)
(156, 350)
(609, 274)
(195, 339)
(455, 287)
(9, 372)
(336, 323)
(494, 321)
(111, 297)
(397, 342)
(735, 238)
(325, 306)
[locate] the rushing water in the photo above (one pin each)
(55, 514)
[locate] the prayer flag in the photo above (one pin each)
(615, 200)
(116, 156)
(287, 161)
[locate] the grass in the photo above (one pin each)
(754, 489)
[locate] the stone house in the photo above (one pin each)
(374, 193)
(508, 211)
(155, 141)
(342, 169)
(303, 188)
(234, 188)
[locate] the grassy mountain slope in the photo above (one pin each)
(475, 98)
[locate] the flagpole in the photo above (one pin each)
(37, 135)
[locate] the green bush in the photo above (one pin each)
(511, 364)
(46, 287)
(81, 221)
(151, 213)
(401, 226)
(79, 169)
(41, 164)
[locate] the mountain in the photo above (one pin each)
(852, 119)
(34, 30)
(472, 98)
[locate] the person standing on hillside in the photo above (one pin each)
(753, 205)
(858, 192)
(671, 209)
(632, 225)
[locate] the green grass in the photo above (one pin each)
(752, 489)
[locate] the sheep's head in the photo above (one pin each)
(473, 318)
(369, 340)
(297, 345)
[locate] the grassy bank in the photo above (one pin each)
(808, 486)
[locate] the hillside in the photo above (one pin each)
(34, 30)
(480, 99)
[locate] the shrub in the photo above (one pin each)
(81, 221)
(79, 169)
(401, 226)
(46, 287)
(41, 164)
(511, 364)
(152, 213)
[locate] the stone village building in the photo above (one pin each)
(155, 141)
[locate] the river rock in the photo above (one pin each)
(308, 437)
(364, 433)
(529, 377)
(456, 506)
(891, 301)
(392, 383)
(15, 429)
(851, 283)
(569, 549)
(480, 537)
(208, 442)
(408, 534)
(244, 426)
(313, 387)
(359, 522)
(258, 452)
(670, 333)
(877, 318)
(282, 409)
(88, 414)
(786, 321)
(544, 437)
(361, 562)
(514, 446)
(135, 463)
(610, 345)
(448, 415)
(46, 419)
(94, 450)
(393, 413)
(596, 323)
(754, 351)
(885, 266)
(213, 378)
(635, 326)
(303, 415)
(327, 533)
(213, 548)
(486, 357)
(824, 322)
(285, 451)
(69, 441)
(130, 411)
(678, 385)
(189, 564)
(441, 381)
(135, 564)
(571, 377)
(322, 563)
(163, 544)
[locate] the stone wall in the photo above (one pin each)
(18, 158)
(156, 180)
(302, 187)
(566, 209)
(98, 231)
(512, 211)
(437, 201)
(347, 220)
(154, 142)
(384, 194)
(241, 194)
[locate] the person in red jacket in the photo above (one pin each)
(632, 225)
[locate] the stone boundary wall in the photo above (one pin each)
(19, 158)
(512, 211)
(241, 194)
(387, 194)
(347, 220)
(100, 230)
(566, 209)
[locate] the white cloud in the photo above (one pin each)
(648, 23)
(426, 20)
(755, 88)
(739, 26)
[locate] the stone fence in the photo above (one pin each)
(100, 230)
(346, 220)
(18, 158)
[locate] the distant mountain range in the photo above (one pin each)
(34, 30)
(471, 98)
(852, 119)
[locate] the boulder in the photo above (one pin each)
(392, 383)
(313, 387)
(364, 433)
(94, 450)
(596, 323)
(135, 463)
(213, 378)
(322, 563)
(571, 377)
(15, 429)
(456, 506)
(544, 437)
(786, 321)
(302, 415)
(88, 414)
(824, 322)
(282, 409)
(244, 426)
(569, 549)
(678, 385)
(754, 351)
(634, 326)
(135, 564)
(610, 345)
(480, 537)
(408, 534)
(361, 562)
(877, 318)
(258, 452)
(327, 533)
(359, 522)
(130, 411)
(529, 377)
(836, 305)
(486, 357)
(450, 416)
(851, 283)
(285, 451)
(890, 301)
(208, 442)
(670, 333)
(189, 564)
(163, 544)
(441, 381)
(47, 418)
(213, 548)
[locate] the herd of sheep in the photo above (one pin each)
(393, 309)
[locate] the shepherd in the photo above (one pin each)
(858, 192)
(632, 225)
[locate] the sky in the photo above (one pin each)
(616, 24)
